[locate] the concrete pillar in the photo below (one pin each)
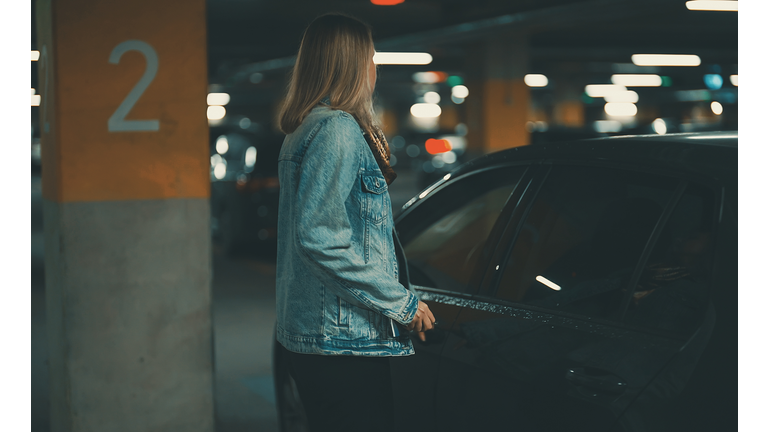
(499, 100)
(568, 110)
(126, 193)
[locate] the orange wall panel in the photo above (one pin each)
(505, 112)
(89, 161)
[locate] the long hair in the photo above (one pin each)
(333, 60)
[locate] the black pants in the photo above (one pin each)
(344, 393)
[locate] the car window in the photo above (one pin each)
(450, 228)
(582, 238)
(673, 288)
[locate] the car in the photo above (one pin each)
(581, 286)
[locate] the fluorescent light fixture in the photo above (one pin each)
(717, 107)
(36, 100)
(35, 55)
(219, 99)
(536, 80)
(666, 59)
(432, 97)
(707, 5)
(460, 91)
(636, 80)
(425, 110)
(402, 58)
(548, 283)
(600, 90)
(250, 156)
(220, 170)
(626, 96)
(604, 126)
(735, 80)
(620, 109)
(216, 112)
(222, 144)
(33, 90)
(659, 126)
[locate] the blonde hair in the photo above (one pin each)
(333, 60)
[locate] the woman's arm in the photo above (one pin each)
(329, 170)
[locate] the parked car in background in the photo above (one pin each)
(244, 191)
(580, 286)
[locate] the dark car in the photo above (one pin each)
(583, 286)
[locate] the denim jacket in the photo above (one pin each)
(337, 284)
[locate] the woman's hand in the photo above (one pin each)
(422, 321)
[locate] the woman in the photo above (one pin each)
(339, 302)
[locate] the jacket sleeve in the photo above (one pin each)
(329, 170)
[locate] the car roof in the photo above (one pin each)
(707, 153)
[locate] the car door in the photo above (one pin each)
(552, 340)
(444, 241)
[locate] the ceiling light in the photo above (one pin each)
(717, 108)
(219, 99)
(600, 90)
(386, 2)
(460, 91)
(432, 97)
(36, 100)
(618, 109)
(426, 77)
(536, 80)
(636, 80)
(250, 156)
(216, 112)
(402, 58)
(735, 80)
(222, 144)
(707, 5)
(666, 60)
(425, 110)
(626, 96)
(35, 55)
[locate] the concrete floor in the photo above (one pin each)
(243, 322)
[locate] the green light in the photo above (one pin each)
(587, 99)
(454, 80)
(666, 81)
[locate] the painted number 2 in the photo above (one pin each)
(118, 123)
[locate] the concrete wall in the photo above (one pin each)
(129, 320)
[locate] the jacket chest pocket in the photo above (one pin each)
(373, 202)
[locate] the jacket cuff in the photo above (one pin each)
(405, 316)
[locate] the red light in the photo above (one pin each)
(441, 76)
(386, 2)
(435, 146)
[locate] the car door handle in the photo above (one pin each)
(599, 381)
